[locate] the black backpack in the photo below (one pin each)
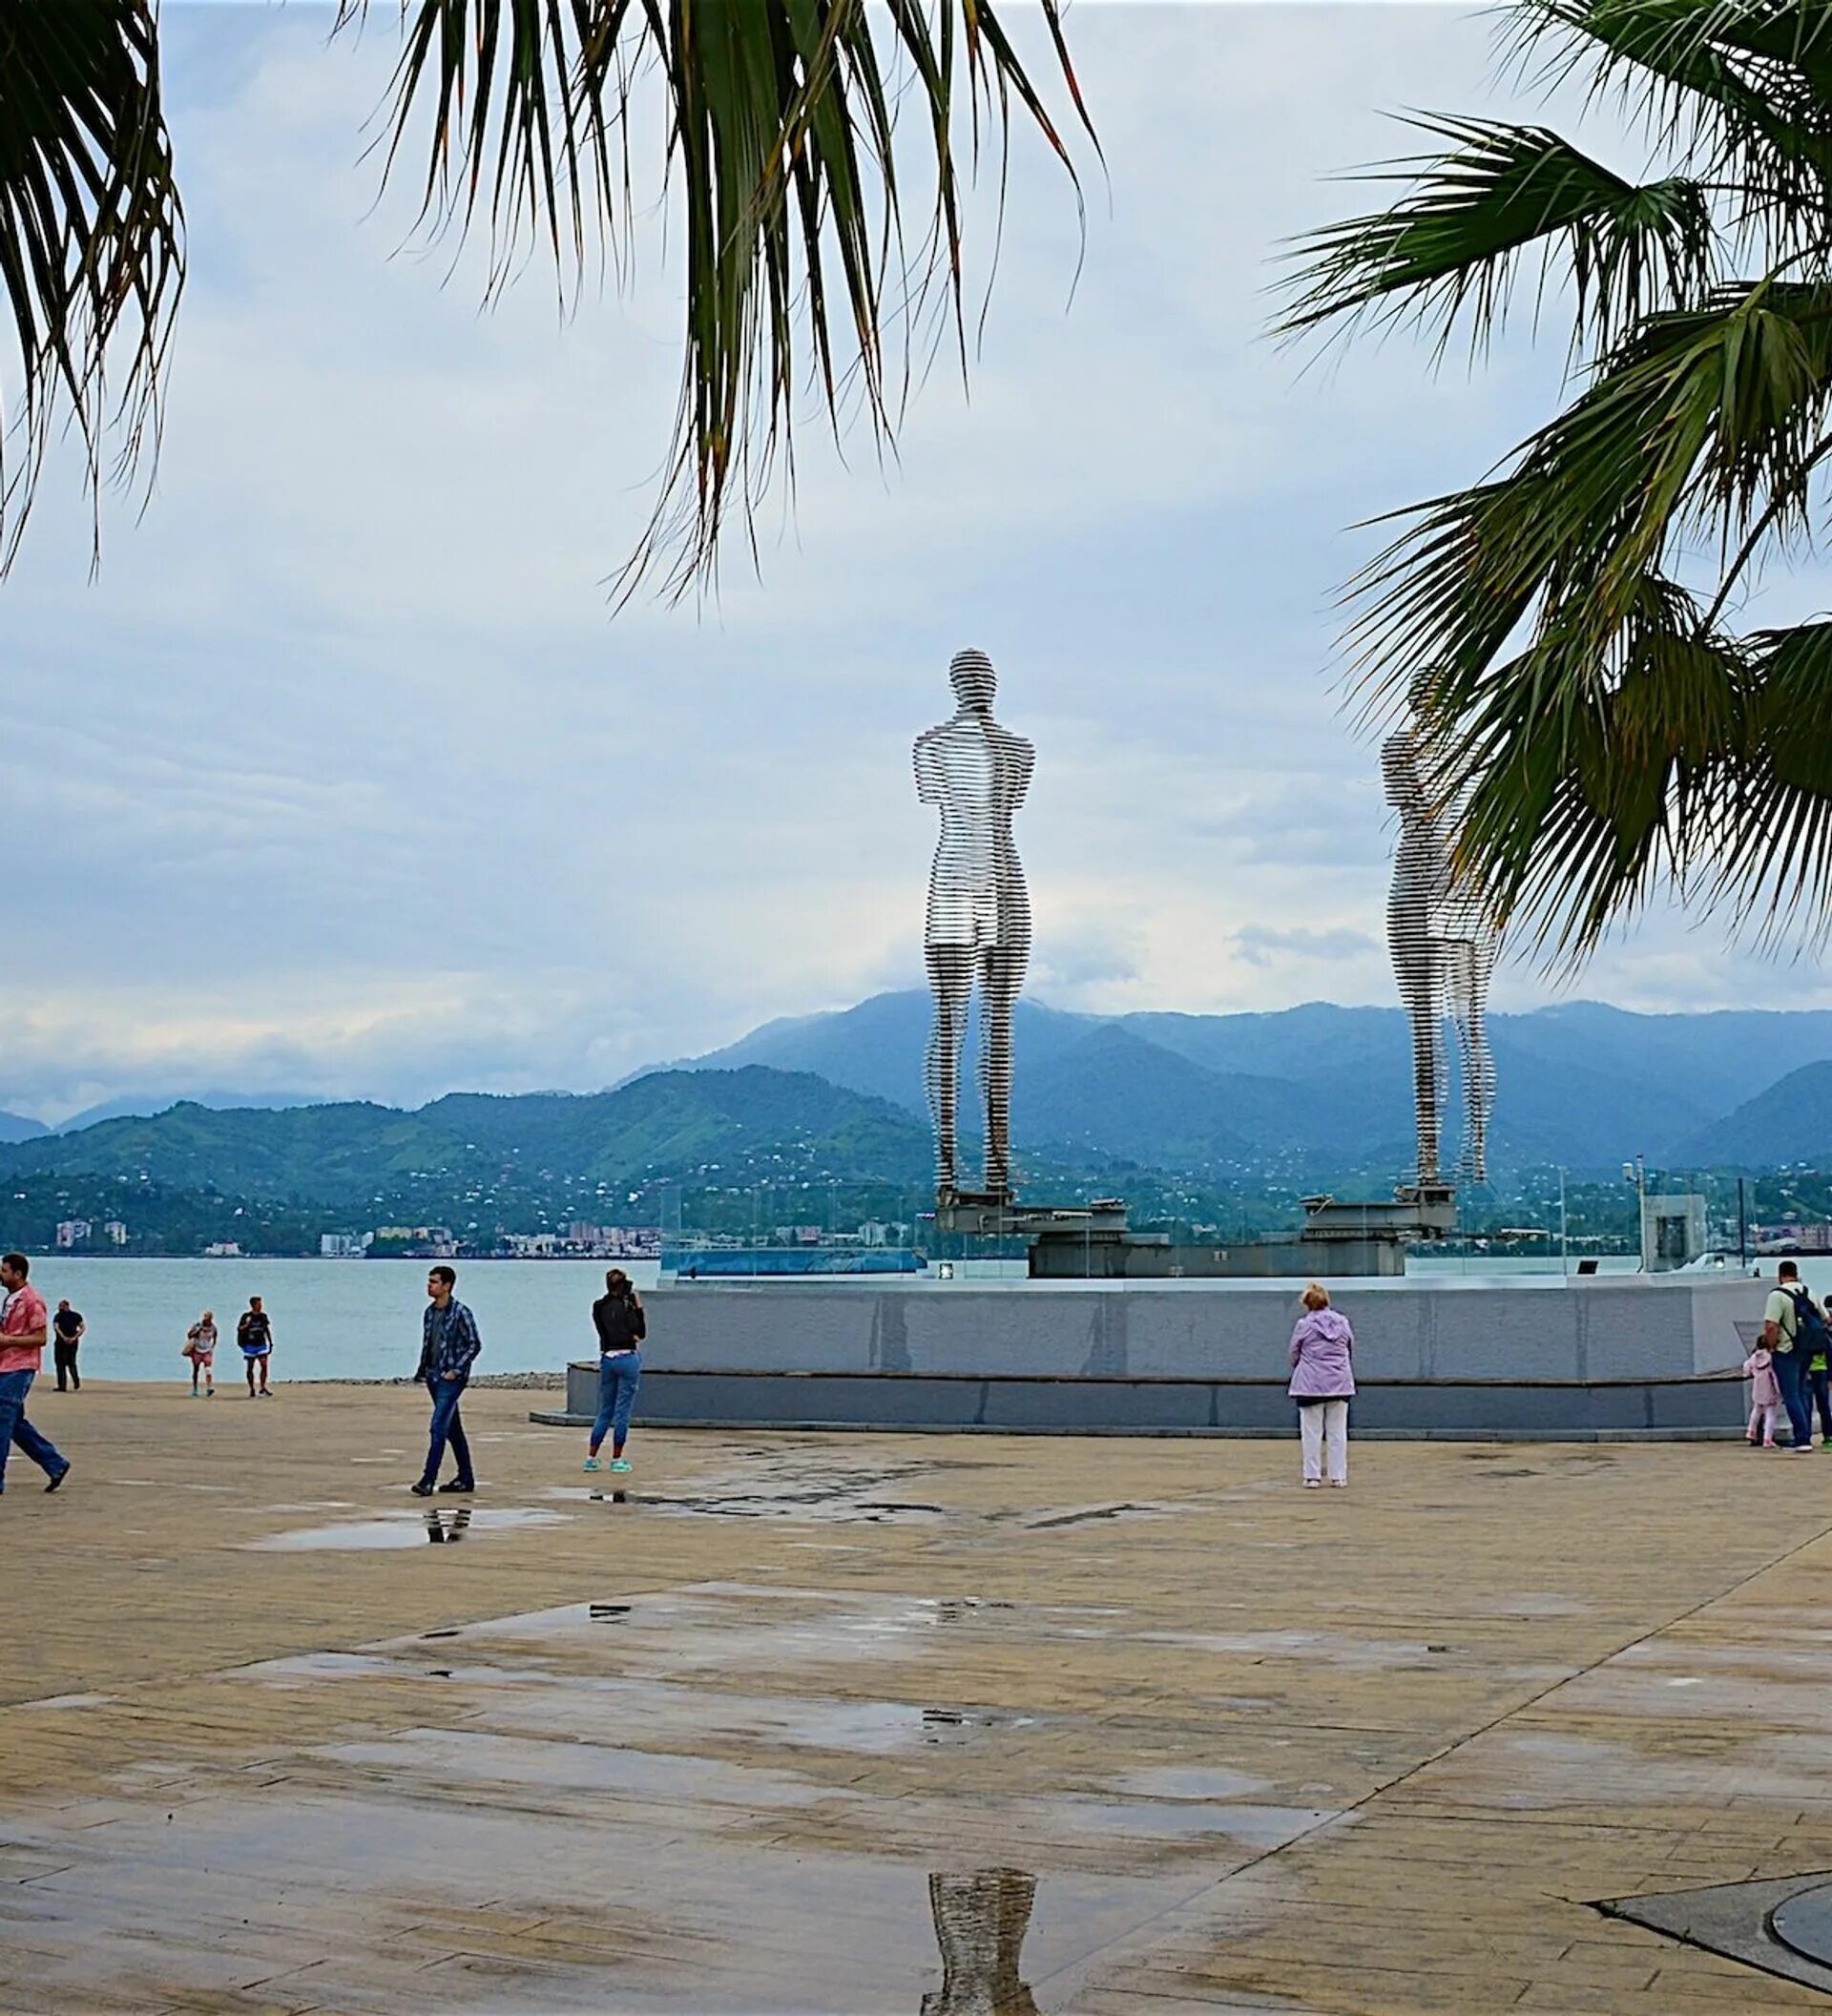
(1810, 1334)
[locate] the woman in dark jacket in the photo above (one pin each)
(621, 1326)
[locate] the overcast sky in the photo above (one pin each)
(342, 778)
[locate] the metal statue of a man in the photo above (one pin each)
(978, 927)
(1443, 956)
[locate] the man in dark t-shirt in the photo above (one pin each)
(66, 1328)
(255, 1334)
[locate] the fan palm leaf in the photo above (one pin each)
(788, 157)
(90, 236)
(1593, 724)
(794, 132)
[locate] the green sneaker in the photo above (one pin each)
(618, 1463)
(591, 1463)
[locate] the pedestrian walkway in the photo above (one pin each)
(837, 1723)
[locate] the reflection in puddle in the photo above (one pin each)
(399, 1530)
(980, 1922)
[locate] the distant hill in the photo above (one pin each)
(1320, 1086)
(1314, 1095)
(740, 1127)
(1789, 1121)
(15, 1127)
(143, 1105)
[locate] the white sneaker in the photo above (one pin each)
(1313, 1484)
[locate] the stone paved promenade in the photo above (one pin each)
(273, 1743)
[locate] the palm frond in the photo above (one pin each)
(783, 144)
(1739, 88)
(1773, 843)
(91, 247)
(1575, 798)
(1452, 248)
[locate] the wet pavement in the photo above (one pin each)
(835, 1724)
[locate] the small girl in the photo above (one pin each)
(1759, 1367)
(201, 1349)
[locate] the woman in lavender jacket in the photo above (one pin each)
(1322, 1378)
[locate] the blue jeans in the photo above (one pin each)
(16, 1428)
(447, 1426)
(1790, 1371)
(1818, 1394)
(619, 1379)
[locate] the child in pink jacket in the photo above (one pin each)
(1765, 1390)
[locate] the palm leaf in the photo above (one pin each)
(784, 148)
(1452, 247)
(90, 236)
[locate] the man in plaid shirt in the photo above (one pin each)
(448, 1349)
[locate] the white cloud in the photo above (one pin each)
(342, 777)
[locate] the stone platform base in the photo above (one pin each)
(1707, 1407)
(1539, 1361)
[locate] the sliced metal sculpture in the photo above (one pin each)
(978, 925)
(1443, 957)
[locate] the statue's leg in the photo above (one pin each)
(1000, 981)
(1478, 1060)
(950, 981)
(1415, 967)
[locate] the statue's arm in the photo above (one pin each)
(929, 769)
(1024, 763)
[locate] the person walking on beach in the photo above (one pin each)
(1765, 1398)
(1793, 1330)
(448, 1349)
(201, 1349)
(255, 1334)
(66, 1328)
(21, 1350)
(1322, 1383)
(621, 1326)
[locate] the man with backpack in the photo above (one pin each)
(1794, 1331)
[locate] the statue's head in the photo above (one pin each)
(975, 683)
(1400, 769)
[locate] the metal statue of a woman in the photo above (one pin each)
(978, 925)
(1443, 957)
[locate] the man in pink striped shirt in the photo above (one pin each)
(23, 1323)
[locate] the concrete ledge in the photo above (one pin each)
(1705, 1406)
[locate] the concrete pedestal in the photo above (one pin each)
(1541, 1359)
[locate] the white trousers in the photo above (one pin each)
(1324, 1424)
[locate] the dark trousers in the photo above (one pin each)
(1790, 1370)
(447, 1426)
(1818, 1393)
(64, 1358)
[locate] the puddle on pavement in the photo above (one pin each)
(602, 1707)
(453, 1756)
(404, 1530)
(1174, 1781)
(807, 1506)
(391, 1902)
(1091, 1514)
(1246, 1826)
(72, 1701)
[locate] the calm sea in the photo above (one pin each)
(360, 1318)
(332, 1318)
